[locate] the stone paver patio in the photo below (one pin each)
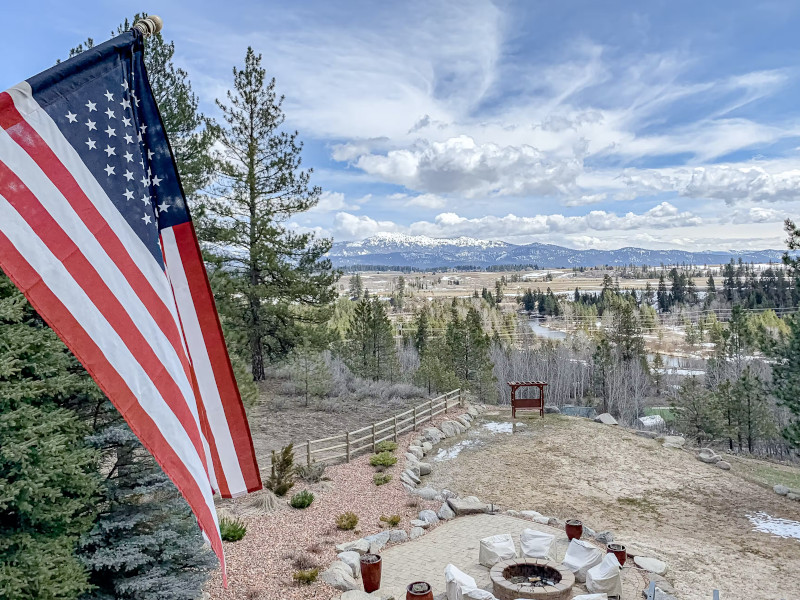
(457, 542)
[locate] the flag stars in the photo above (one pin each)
(109, 96)
(143, 129)
(111, 131)
(124, 85)
(110, 114)
(157, 180)
(109, 151)
(128, 195)
(109, 170)
(146, 199)
(91, 106)
(163, 207)
(146, 218)
(139, 137)
(150, 154)
(128, 156)
(126, 121)
(145, 181)
(92, 125)
(128, 176)
(92, 144)
(125, 103)
(73, 118)
(128, 138)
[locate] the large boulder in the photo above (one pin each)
(377, 541)
(605, 419)
(415, 533)
(464, 423)
(352, 560)
(411, 457)
(340, 576)
(445, 512)
(674, 441)
(659, 567)
(427, 447)
(420, 523)
(361, 546)
(646, 434)
(408, 480)
(426, 493)
(416, 451)
(724, 465)
(579, 411)
(429, 516)
(397, 536)
(467, 506)
(604, 537)
(552, 410)
(707, 455)
(411, 476)
(424, 468)
(651, 422)
(414, 467)
(473, 412)
(781, 490)
(449, 428)
(433, 435)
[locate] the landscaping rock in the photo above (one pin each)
(359, 595)
(361, 546)
(605, 537)
(433, 435)
(339, 575)
(429, 516)
(424, 468)
(542, 520)
(589, 531)
(661, 584)
(420, 523)
(707, 455)
(352, 560)
(408, 480)
(377, 541)
(781, 490)
(407, 487)
(427, 447)
(651, 422)
(472, 411)
(426, 493)
(416, 451)
(530, 514)
(605, 419)
(793, 496)
(659, 567)
(464, 423)
(557, 523)
(579, 411)
(512, 513)
(552, 410)
(397, 536)
(448, 494)
(449, 428)
(467, 417)
(467, 506)
(411, 457)
(724, 465)
(416, 442)
(411, 476)
(414, 467)
(674, 441)
(646, 434)
(445, 512)
(415, 533)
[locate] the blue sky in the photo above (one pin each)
(582, 123)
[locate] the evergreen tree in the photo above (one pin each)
(697, 416)
(356, 287)
(786, 379)
(146, 544)
(756, 419)
(48, 481)
(271, 279)
(468, 347)
(370, 350)
(662, 296)
(309, 370)
(423, 333)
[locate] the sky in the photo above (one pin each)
(658, 124)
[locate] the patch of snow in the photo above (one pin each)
(496, 427)
(785, 528)
(454, 450)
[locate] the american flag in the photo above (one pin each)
(95, 231)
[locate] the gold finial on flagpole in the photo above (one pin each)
(150, 25)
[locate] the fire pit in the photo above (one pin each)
(531, 578)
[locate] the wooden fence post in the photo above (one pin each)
(415, 418)
(446, 400)
(347, 441)
(374, 443)
(395, 428)
(308, 453)
(460, 398)
(431, 410)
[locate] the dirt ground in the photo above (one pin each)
(663, 501)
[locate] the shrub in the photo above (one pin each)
(302, 499)
(232, 530)
(392, 521)
(347, 521)
(316, 548)
(281, 478)
(302, 561)
(382, 459)
(306, 576)
(381, 478)
(386, 446)
(313, 473)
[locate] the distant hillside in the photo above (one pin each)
(421, 252)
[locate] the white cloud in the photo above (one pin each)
(334, 201)
(352, 227)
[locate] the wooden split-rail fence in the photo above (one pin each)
(349, 444)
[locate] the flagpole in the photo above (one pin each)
(150, 25)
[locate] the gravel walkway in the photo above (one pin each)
(260, 566)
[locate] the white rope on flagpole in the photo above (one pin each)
(149, 26)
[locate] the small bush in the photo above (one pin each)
(392, 521)
(382, 459)
(306, 576)
(281, 478)
(316, 548)
(312, 474)
(302, 499)
(232, 530)
(302, 561)
(347, 521)
(381, 478)
(386, 446)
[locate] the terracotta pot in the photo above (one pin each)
(619, 551)
(371, 571)
(574, 529)
(419, 590)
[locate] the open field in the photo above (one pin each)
(663, 501)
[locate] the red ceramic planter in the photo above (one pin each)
(419, 590)
(371, 572)
(574, 529)
(619, 551)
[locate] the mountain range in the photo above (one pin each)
(422, 252)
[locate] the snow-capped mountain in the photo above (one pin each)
(422, 252)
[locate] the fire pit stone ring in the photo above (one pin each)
(559, 579)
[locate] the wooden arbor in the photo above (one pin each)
(524, 403)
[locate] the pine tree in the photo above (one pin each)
(356, 287)
(697, 415)
(146, 544)
(423, 332)
(786, 379)
(271, 279)
(309, 370)
(370, 350)
(756, 420)
(468, 347)
(48, 481)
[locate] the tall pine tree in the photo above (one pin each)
(271, 280)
